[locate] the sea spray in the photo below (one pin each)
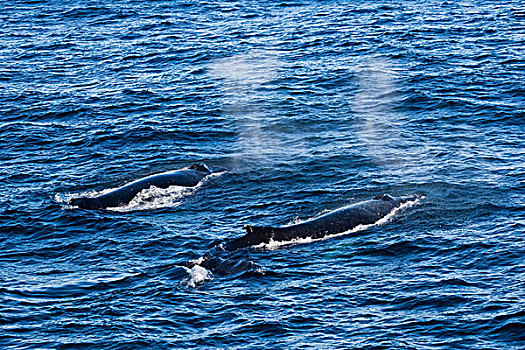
(378, 124)
(242, 77)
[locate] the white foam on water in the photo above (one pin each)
(197, 275)
(197, 261)
(272, 245)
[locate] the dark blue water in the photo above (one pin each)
(313, 105)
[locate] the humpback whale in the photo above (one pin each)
(339, 221)
(188, 177)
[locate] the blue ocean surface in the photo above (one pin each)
(312, 105)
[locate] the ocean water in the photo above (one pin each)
(313, 105)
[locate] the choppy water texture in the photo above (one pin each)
(313, 105)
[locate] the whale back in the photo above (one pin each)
(336, 222)
(203, 168)
(254, 236)
(189, 177)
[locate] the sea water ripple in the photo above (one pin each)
(313, 106)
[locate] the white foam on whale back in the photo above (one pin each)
(272, 245)
(147, 199)
(156, 198)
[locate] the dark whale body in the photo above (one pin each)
(189, 177)
(339, 221)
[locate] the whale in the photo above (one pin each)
(220, 262)
(336, 222)
(188, 177)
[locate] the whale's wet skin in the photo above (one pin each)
(123, 195)
(345, 220)
(312, 106)
(336, 222)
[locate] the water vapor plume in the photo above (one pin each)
(380, 127)
(242, 77)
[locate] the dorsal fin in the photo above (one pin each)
(385, 197)
(200, 167)
(255, 235)
(257, 230)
